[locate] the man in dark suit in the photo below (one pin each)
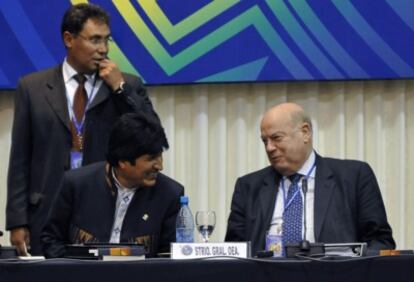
(124, 200)
(343, 201)
(62, 120)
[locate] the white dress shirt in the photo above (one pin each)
(277, 217)
(71, 85)
(123, 200)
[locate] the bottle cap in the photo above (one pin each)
(184, 199)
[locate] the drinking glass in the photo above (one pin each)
(205, 222)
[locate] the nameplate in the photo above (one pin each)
(206, 250)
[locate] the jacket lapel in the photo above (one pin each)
(102, 95)
(56, 96)
(324, 187)
(267, 200)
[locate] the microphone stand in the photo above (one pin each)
(304, 244)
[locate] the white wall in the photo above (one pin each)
(213, 132)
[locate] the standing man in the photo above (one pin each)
(343, 200)
(123, 200)
(62, 120)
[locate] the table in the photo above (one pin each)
(375, 269)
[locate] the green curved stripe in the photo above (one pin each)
(173, 33)
(118, 56)
(252, 17)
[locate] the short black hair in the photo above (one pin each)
(134, 135)
(77, 15)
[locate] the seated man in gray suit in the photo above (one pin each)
(343, 200)
(123, 200)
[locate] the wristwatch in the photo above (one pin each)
(121, 88)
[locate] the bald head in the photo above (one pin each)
(287, 112)
(286, 131)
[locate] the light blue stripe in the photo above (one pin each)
(3, 79)
(405, 9)
(372, 39)
(303, 41)
(279, 47)
(249, 71)
(254, 16)
(26, 34)
(325, 38)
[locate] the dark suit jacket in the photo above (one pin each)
(41, 141)
(348, 206)
(84, 211)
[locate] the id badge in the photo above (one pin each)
(76, 158)
(274, 244)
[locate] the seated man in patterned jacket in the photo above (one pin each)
(123, 200)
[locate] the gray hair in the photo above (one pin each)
(299, 117)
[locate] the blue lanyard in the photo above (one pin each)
(79, 125)
(282, 185)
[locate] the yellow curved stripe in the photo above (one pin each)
(173, 33)
(74, 2)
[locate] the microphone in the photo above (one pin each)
(304, 244)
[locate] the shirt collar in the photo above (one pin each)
(307, 166)
(120, 187)
(69, 72)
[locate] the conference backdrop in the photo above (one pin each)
(190, 41)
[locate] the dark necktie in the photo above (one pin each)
(79, 104)
(292, 215)
(81, 98)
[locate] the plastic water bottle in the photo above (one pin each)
(184, 227)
